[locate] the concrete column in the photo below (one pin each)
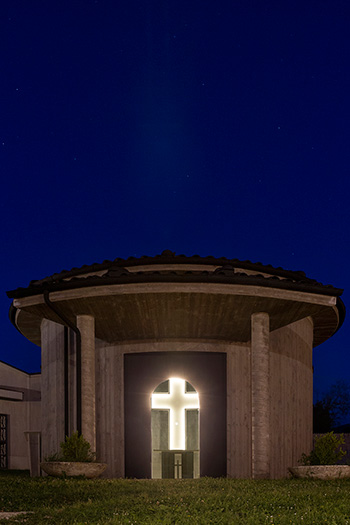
(86, 325)
(260, 374)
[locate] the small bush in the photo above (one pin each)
(327, 450)
(74, 448)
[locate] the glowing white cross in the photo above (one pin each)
(176, 401)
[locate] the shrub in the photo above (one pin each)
(327, 450)
(74, 448)
(54, 457)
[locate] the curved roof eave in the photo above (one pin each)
(122, 276)
(179, 269)
(341, 312)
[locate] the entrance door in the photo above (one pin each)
(175, 430)
(206, 371)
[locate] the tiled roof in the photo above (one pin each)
(116, 272)
(169, 257)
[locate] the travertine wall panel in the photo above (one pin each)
(52, 383)
(291, 395)
(110, 408)
(238, 411)
(34, 404)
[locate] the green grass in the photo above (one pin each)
(202, 501)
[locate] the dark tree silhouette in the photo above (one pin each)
(330, 410)
(323, 421)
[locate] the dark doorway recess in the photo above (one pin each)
(206, 371)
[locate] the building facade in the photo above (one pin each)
(20, 418)
(175, 366)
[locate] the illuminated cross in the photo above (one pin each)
(177, 401)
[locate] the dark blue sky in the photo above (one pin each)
(130, 127)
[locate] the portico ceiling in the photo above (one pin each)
(122, 315)
(178, 298)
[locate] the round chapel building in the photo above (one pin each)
(179, 367)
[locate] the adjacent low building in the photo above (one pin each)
(175, 366)
(20, 418)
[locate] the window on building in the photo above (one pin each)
(3, 441)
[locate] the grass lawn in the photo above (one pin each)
(202, 501)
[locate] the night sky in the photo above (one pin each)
(204, 127)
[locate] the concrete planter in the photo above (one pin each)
(321, 471)
(70, 468)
